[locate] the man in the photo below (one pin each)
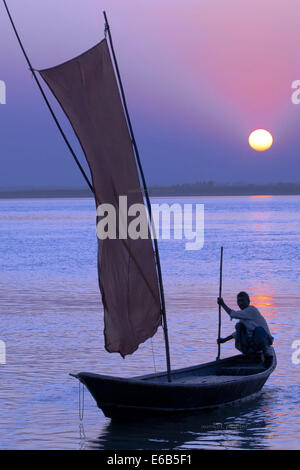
(252, 333)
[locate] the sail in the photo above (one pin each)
(87, 90)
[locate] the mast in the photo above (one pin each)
(47, 101)
(138, 159)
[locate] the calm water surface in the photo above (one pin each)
(51, 322)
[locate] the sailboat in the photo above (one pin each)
(90, 91)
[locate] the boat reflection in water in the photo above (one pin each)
(246, 426)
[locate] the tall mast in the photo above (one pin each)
(158, 265)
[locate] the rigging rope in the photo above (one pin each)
(81, 401)
(153, 355)
(47, 101)
(82, 435)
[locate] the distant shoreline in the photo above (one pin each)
(213, 189)
(183, 190)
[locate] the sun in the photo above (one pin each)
(260, 140)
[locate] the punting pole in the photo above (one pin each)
(47, 101)
(162, 296)
(220, 295)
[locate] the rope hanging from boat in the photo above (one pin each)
(82, 435)
(153, 355)
(47, 101)
(81, 401)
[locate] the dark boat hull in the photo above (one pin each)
(195, 388)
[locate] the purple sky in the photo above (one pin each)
(199, 77)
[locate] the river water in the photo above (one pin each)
(51, 321)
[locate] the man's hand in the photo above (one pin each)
(221, 341)
(223, 305)
(224, 340)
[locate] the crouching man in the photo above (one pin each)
(252, 334)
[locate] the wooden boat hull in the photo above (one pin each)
(195, 388)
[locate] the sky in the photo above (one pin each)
(199, 76)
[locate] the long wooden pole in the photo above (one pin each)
(220, 295)
(158, 265)
(46, 100)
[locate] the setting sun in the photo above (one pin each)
(260, 139)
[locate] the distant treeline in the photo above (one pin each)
(45, 193)
(195, 189)
(210, 188)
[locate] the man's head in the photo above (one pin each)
(243, 300)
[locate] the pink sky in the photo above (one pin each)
(199, 75)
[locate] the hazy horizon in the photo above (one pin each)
(200, 184)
